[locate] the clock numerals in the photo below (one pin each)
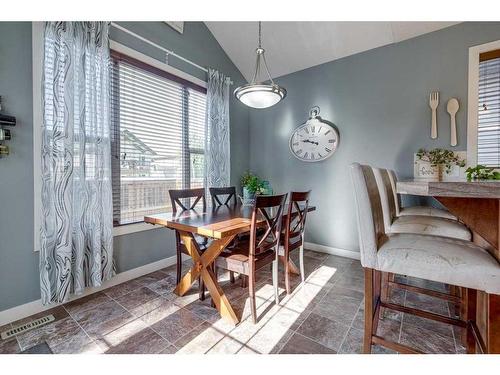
(306, 155)
(328, 132)
(331, 141)
(327, 149)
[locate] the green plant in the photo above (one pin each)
(252, 182)
(481, 172)
(439, 156)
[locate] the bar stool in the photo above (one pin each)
(415, 210)
(431, 225)
(440, 259)
(417, 224)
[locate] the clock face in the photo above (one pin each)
(314, 141)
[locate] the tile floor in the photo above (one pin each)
(324, 315)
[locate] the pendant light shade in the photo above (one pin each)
(257, 94)
(260, 95)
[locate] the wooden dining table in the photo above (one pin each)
(221, 225)
(477, 205)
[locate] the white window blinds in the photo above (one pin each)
(488, 137)
(158, 138)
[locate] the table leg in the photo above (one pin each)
(201, 267)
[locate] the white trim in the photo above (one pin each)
(37, 59)
(133, 228)
(472, 99)
(30, 308)
(154, 62)
(332, 250)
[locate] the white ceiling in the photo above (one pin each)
(293, 46)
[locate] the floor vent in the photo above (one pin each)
(27, 327)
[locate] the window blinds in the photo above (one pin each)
(158, 139)
(488, 137)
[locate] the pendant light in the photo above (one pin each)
(257, 94)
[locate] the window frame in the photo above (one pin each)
(37, 59)
(141, 61)
(473, 97)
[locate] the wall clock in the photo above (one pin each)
(315, 140)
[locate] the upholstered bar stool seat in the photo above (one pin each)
(444, 260)
(418, 224)
(435, 226)
(426, 211)
(415, 210)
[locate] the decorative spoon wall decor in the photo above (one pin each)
(452, 108)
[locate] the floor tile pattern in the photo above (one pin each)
(324, 315)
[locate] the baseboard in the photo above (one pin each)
(332, 250)
(30, 308)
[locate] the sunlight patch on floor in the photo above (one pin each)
(274, 324)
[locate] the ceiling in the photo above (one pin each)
(293, 46)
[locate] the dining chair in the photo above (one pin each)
(432, 225)
(440, 259)
(415, 210)
(293, 233)
(226, 194)
(187, 200)
(261, 249)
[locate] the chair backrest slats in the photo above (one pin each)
(181, 199)
(217, 194)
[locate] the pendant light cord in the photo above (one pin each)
(260, 34)
(260, 54)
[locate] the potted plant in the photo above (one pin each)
(481, 172)
(252, 185)
(430, 164)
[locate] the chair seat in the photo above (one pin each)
(435, 226)
(237, 259)
(440, 259)
(426, 211)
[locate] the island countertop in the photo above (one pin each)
(459, 189)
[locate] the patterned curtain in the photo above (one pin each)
(217, 140)
(77, 223)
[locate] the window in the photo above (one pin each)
(158, 140)
(488, 125)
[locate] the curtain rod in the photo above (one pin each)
(167, 51)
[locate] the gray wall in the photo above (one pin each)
(19, 277)
(379, 102)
